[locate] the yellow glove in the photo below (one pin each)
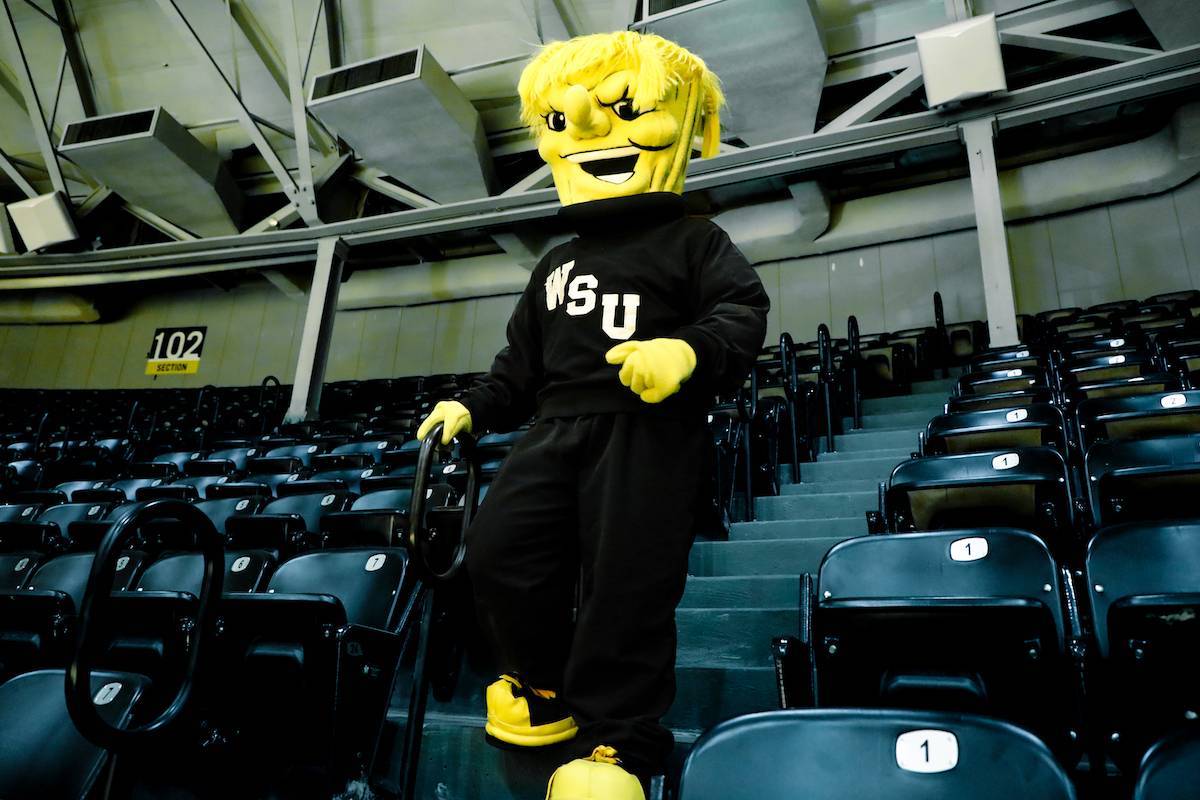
(654, 369)
(454, 417)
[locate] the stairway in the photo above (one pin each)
(740, 593)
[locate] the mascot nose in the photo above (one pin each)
(586, 120)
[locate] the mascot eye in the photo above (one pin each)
(625, 110)
(556, 121)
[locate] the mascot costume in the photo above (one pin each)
(617, 348)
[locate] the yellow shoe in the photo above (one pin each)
(597, 777)
(517, 715)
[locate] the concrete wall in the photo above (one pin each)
(1134, 248)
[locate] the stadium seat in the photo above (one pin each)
(967, 620)
(1023, 488)
(1140, 417)
(971, 432)
(1144, 589)
(1138, 480)
(845, 754)
(1004, 380)
(1005, 400)
(1169, 770)
(42, 755)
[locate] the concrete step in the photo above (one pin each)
(742, 591)
(898, 453)
(798, 529)
(931, 403)
(899, 419)
(798, 506)
(731, 637)
(767, 557)
(855, 441)
(834, 470)
(832, 487)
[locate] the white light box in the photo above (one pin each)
(962, 60)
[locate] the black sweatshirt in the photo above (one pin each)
(640, 269)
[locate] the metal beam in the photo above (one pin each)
(318, 330)
(163, 226)
(14, 174)
(998, 294)
(372, 178)
(880, 100)
(280, 219)
(33, 104)
(1076, 47)
(333, 33)
(540, 178)
(43, 12)
(958, 10)
(1173, 71)
(244, 117)
(306, 198)
(75, 57)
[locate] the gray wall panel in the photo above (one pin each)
(909, 282)
(1149, 246)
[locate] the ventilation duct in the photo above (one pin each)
(1175, 23)
(769, 55)
(152, 161)
(403, 114)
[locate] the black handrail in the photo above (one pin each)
(747, 405)
(825, 355)
(943, 340)
(97, 595)
(262, 392)
(791, 389)
(854, 358)
(419, 541)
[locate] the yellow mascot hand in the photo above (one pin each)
(453, 415)
(654, 369)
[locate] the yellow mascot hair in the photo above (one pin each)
(658, 65)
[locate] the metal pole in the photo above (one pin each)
(998, 294)
(318, 330)
(75, 57)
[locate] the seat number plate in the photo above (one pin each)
(1014, 373)
(970, 549)
(108, 692)
(1006, 461)
(375, 562)
(122, 563)
(240, 564)
(1017, 415)
(927, 751)
(1116, 360)
(1173, 401)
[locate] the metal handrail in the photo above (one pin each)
(854, 358)
(791, 388)
(418, 539)
(825, 356)
(89, 645)
(943, 339)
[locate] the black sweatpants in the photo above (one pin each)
(608, 499)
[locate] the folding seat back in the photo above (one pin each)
(1169, 770)
(235, 457)
(886, 604)
(119, 491)
(18, 512)
(245, 571)
(1144, 589)
(287, 524)
(1149, 383)
(1008, 380)
(1139, 417)
(851, 754)
(334, 480)
(965, 339)
(1022, 488)
(363, 580)
(1099, 347)
(42, 754)
(374, 448)
(972, 432)
(1004, 400)
(190, 488)
(1006, 358)
(1140, 480)
(21, 475)
(179, 458)
(303, 452)
(1096, 369)
(70, 487)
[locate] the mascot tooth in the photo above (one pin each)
(616, 349)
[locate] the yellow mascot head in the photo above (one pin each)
(615, 114)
